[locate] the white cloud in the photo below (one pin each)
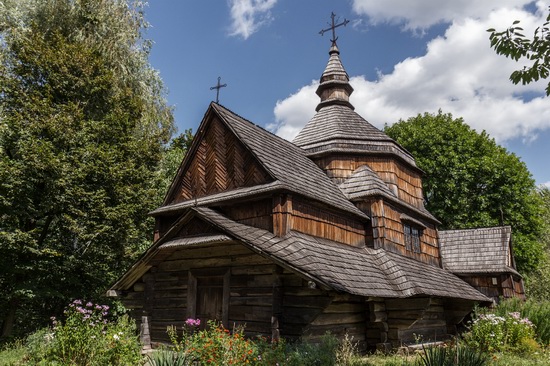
(425, 13)
(459, 74)
(249, 15)
(547, 184)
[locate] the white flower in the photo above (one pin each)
(116, 337)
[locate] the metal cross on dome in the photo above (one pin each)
(333, 27)
(218, 87)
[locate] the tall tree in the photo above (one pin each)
(537, 283)
(83, 122)
(514, 44)
(471, 181)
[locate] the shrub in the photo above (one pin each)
(214, 345)
(537, 311)
(13, 353)
(308, 352)
(86, 337)
(493, 333)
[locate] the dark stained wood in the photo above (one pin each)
(220, 162)
(326, 223)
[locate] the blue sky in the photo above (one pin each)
(403, 58)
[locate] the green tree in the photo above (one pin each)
(172, 159)
(471, 181)
(514, 44)
(537, 283)
(83, 122)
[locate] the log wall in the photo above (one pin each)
(412, 320)
(262, 296)
(346, 314)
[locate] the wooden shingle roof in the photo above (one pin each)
(481, 250)
(359, 271)
(286, 163)
(364, 182)
(336, 127)
(339, 129)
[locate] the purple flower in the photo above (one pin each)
(193, 322)
(77, 302)
(89, 304)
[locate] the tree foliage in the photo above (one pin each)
(172, 159)
(83, 122)
(536, 50)
(471, 181)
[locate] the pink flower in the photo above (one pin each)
(193, 322)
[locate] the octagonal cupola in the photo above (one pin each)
(334, 87)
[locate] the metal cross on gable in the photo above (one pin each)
(218, 87)
(333, 27)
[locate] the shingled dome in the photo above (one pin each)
(336, 127)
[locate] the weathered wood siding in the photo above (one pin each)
(219, 163)
(387, 229)
(294, 213)
(253, 213)
(496, 286)
(402, 180)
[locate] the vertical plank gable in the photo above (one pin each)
(219, 162)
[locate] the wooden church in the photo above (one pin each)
(325, 233)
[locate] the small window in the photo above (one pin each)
(412, 238)
(408, 236)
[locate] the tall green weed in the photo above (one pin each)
(537, 311)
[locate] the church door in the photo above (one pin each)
(209, 299)
(208, 295)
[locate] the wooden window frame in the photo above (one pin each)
(192, 291)
(412, 234)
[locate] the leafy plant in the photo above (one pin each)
(310, 352)
(83, 125)
(537, 311)
(471, 181)
(168, 357)
(87, 337)
(493, 333)
(451, 355)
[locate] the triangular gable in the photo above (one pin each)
(216, 162)
(189, 228)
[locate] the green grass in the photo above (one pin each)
(12, 354)
(508, 359)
